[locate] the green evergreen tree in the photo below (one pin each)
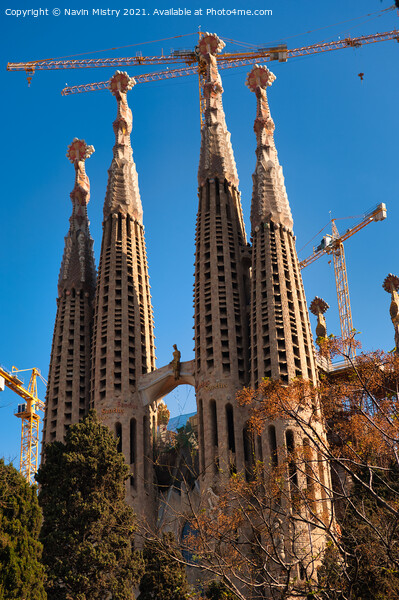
(21, 571)
(164, 577)
(217, 590)
(88, 528)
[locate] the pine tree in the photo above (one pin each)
(88, 528)
(217, 590)
(164, 577)
(21, 571)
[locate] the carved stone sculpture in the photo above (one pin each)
(391, 285)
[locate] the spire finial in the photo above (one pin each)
(259, 77)
(391, 285)
(209, 46)
(318, 307)
(77, 153)
(217, 158)
(77, 266)
(121, 83)
(123, 195)
(210, 43)
(269, 198)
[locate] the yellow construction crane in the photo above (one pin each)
(29, 417)
(192, 61)
(333, 244)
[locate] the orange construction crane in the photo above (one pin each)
(192, 61)
(29, 417)
(333, 244)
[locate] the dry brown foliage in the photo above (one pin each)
(257, 531)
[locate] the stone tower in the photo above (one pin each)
(123, 342)
(221, 282)
(67, 398)
(281, 341)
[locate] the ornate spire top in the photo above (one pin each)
(78, 151)
(78, 268)
(269, 197)
(121, 83)
(123, 194)
(77, 154)
(391, 285)
(318, 307)
(216, 157)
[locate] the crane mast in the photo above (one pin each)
(333, 244)
(27, 412)
(341, 282)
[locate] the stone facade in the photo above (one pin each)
(281, 340)
(250, 314)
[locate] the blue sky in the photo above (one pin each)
(336, 137)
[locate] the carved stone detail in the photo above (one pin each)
(318, 307)
(269, 197)
(78, 265)
(216, 156)
(123, 195)
(391, 285)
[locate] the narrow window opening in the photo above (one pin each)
(118, 433)
(214, 423)
(230, 428)
(273, 446)
(133, 435)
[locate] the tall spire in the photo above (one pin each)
(77, 267)
(221, 292)
(67, 397)
(123, 347)
(269, 199)
(123, 195)
(216, 157)
(281, 341)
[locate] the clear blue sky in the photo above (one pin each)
(336, 137)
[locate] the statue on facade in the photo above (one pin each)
(176, 362)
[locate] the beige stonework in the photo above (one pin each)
(221, 288)
(250, 315)
(67, 397)
(281, 340)
(123, 349)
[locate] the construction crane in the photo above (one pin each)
(192, 62)
(29, 417)
(333, 245)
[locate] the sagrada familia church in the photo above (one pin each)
(250, 315)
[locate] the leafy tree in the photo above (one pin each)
(164, 577)
(88, 528)
(370, 540)
(21, 572)
(264, 533)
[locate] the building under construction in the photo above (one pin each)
(250, 314)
